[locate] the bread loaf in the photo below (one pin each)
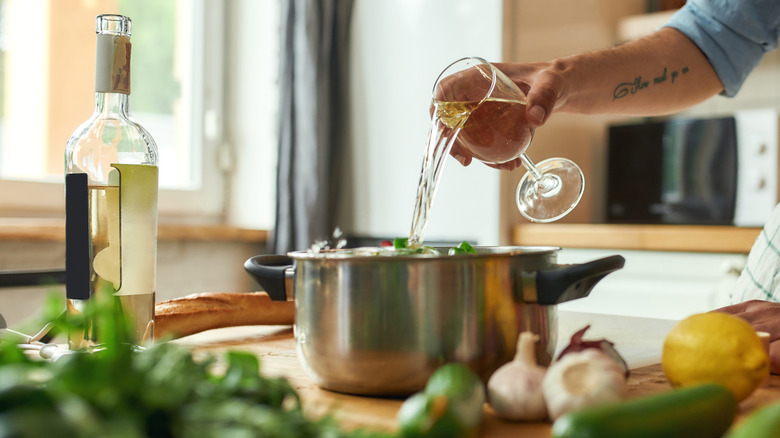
(199, 312)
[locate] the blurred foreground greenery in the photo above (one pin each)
(121, 390)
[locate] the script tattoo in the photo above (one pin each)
(661, 78)
(629, 87)
(625, 88)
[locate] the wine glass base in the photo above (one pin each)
(552, 196)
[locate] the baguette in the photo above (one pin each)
(200, 312)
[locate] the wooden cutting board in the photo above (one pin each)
(275, 346)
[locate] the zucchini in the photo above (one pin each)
(763, 423)
(699, 411)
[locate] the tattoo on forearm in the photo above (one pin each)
(626, 88)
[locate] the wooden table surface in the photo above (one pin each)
(638, 340)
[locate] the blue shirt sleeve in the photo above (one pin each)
(734, 35)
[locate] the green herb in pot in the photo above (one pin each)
(463, 248)
(401, 245)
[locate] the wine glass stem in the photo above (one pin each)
(529, 166)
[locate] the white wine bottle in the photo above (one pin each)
(111, 178)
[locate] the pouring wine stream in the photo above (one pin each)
(470, 98)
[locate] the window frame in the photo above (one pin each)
(205, 202)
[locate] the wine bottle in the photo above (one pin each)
(111, 176)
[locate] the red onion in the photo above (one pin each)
(605, 346)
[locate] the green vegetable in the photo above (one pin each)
(124, 391)
(698, 411)
(426, 415)
(460, 384)
(450, 406)
(401, 245)
(463, 248)
(400, 242)
(763, 423)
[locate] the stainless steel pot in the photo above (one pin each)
(380, 325)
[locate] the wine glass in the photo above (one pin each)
(486, 109)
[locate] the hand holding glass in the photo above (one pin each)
(487, 112)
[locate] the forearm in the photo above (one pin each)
(658, 74)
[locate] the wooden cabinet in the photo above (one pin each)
(684, 238)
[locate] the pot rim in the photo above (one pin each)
(482, 252)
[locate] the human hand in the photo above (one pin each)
(764, 316)
(542, 83)
(468, 85)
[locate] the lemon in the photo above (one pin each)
(715, 348)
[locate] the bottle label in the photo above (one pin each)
(111, 232)
(138, 231)
(112, 64)
(76, 237)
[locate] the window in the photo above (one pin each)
(47, 58)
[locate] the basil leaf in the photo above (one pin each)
(463, 248)
(400, 242)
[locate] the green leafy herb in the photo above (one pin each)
(400, 242)
(120, 390)
(401, 246)
(463, 248)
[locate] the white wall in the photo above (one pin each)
(398, 48)
(251, 111)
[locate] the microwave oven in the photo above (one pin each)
(686, 170)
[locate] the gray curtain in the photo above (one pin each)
(313, 87)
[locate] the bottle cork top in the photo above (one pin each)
(113, 24)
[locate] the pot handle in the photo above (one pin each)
(271, 272)
(570, 282)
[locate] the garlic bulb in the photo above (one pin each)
(515, 389)
(580, 379)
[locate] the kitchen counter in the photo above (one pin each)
(639, 340)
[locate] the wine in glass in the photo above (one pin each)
(486, 112)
